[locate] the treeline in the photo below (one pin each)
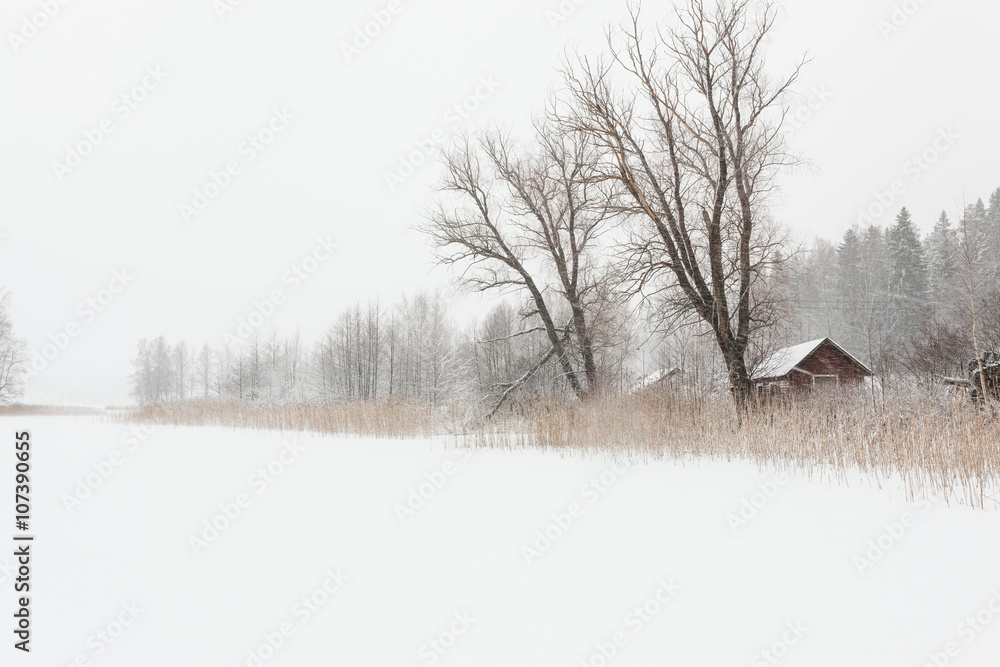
(904, 300)
(898, 299)
(409, 350)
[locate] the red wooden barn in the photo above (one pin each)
(813, 365)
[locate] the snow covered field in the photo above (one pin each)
(214, 547)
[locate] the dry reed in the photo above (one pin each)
(19, 410)
(379, 419)
(933, 443)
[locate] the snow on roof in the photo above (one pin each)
(655, 377)
(784, 361)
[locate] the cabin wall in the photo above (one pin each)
(828, 360)
(799, 380)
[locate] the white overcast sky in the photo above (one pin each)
(887, 98)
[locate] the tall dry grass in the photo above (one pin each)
(934, 443)
(23, 410)
(379, 419)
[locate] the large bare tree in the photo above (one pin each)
(688, 127)
(528, 221)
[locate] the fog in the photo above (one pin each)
(168, 167)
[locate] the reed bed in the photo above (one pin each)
(378, 419)
(932, 442)
(19, 410)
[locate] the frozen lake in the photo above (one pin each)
(219, 547)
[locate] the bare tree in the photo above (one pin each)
(152, 379)
(162, 370)
(970, 250)
(207, 363)
(140, 379)
(181, 369)
(693, 141)
(426, 363)
(11, 355)
(238, 377)
(529, 222)
(935, 349)
(291, 358)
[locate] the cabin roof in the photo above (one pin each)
(787, 359)
(655, 378)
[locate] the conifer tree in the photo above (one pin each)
(942, 264)
(907, 271)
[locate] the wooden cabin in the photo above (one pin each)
(816, 365)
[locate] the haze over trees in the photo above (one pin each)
(628, 232)
(902, 299)
(12, 351)
(412, 350)
(895, 296)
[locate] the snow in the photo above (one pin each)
(783, 361)
(654, 378)
(658, 534)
